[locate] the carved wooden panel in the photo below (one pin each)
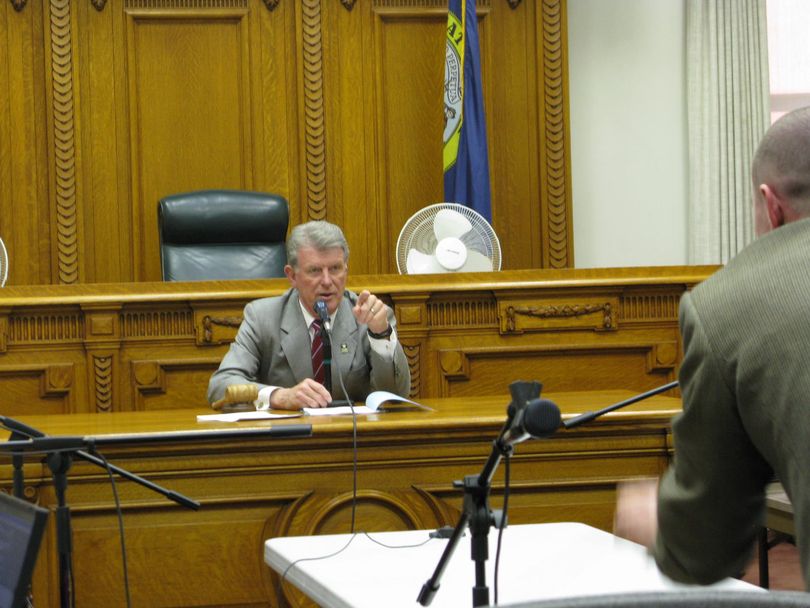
(37, 388)
(171, 383)
(335, 105)
(63, 122)
(485, 371)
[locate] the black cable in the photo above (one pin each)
(506, 460)
(354, 448)
(120, 525)
(346, 546)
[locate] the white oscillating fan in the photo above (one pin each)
(447, 237)
(3, 264)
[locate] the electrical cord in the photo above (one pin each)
(120, 525)
(506, 460)
(354, 446)
(346, 546)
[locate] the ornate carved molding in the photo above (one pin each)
(271, 4)
(157, 323)
(210, 322)
(99, 4)
(348, 4)
(19, 5)
(214, 4)
(102, 369)
(662, 357)
(645, 307)
(57, 380)
(47, 328)
(552, 35)
(554, 312)
(314, 132)
(67, 246)
(463, 312)
(480, 5)
(413, 354)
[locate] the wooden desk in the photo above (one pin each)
(258, 489)
(153, 346)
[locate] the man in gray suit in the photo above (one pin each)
(272, 349)
(746, 386)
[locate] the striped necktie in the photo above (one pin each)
(318, 371)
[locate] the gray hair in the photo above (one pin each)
(782, 159)
(318, 234)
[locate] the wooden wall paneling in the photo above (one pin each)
(24, 209)
(408, 71)
(190, 107)
(106, 226)
(349, 102)
(274, 66)
(514, 150)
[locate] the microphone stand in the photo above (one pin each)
(475, 510)
(61, 450)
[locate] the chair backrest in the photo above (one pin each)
(222, 234)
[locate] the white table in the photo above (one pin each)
(538, 561)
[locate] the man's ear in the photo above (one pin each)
(289, 271)
(774, 206)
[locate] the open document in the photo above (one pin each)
(376, 402)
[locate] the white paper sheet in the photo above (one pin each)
(237, 416)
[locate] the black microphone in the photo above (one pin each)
(540, 418)
(323, 313)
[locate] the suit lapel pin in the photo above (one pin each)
(344, 348)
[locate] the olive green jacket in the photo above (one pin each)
(745, 380)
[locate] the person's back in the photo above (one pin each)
(754, 315)
(745, 386)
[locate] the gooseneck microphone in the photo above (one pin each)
(323, 314)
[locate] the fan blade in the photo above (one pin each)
(422, 263)
(476, 262)
(449, 223)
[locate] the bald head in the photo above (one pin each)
(782, 163)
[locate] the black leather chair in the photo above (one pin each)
(222, 234)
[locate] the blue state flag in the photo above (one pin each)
(466, 162)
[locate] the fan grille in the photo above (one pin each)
(418, 233)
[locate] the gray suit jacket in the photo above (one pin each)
(745, 380)
(272, 348)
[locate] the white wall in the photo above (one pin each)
(628, 132)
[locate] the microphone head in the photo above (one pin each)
(541, 418)
(321, 310)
